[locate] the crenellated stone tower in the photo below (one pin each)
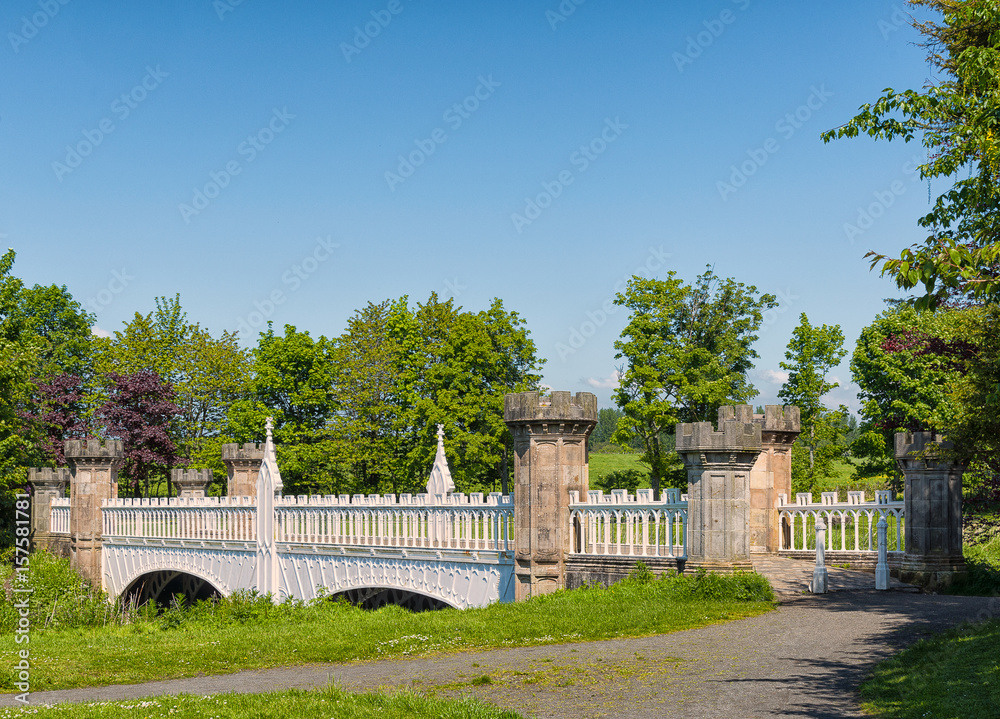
(718, 464)
(772, 474)
(933, 509)
(550, 448)
(46, 485)
(94, 464)
(243, 465)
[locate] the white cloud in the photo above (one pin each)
(98, 332)
(610, 382)
(774, 376)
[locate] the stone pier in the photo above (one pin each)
(46, 485)
(718, 464)
(772, 475)
(94, 466)
(243, 465)
(933, 510)
(191, 482)
(550, 448)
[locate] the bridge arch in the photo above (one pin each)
(377, 597)
(159, 586)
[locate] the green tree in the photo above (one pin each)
(958, 118)
(455, 368)
(908, 365)
(367, 426)
(687, 351)
(292, 380)
(812, 353)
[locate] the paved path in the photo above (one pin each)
(792, 576)
(805, 659)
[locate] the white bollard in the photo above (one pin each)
(882, 568)
(818, 585)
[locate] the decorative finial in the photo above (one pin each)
(269, 425)
(440, 482)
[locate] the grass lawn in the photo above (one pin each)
(956, 674)
(292, 704)
(602, 464)
(339, 632)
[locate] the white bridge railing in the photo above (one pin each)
(59, 516)
(851, 525)
(203, 518)
(455, 521)
(458, 521)
(621, 524)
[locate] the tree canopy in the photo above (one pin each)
(687, 351)
(958, 120)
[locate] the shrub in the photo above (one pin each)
(59, 597)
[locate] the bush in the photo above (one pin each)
(702, 585)
(59, 597)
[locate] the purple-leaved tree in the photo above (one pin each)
(56, 415)
(139, 412)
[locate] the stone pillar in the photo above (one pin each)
(46, 485)
(95, 478)
(243, 465)
(772, 475)
(191, 482)
(718, 465)
(933, 510)
(550, 450)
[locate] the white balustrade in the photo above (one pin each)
(851, 525)
(622, 524)
(454, 521)
(59, 515)
(202, 518)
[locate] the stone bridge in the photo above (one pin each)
(447, 549)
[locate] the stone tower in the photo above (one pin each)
(550, 448)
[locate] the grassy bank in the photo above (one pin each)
(217, 639)
(956, 674)
(293, 704)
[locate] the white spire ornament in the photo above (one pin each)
(440, 482)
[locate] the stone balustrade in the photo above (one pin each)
(620, 524)
(851, 525)
(59, 516)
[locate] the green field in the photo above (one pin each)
(602, 464)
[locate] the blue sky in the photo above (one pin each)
(330, 154)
